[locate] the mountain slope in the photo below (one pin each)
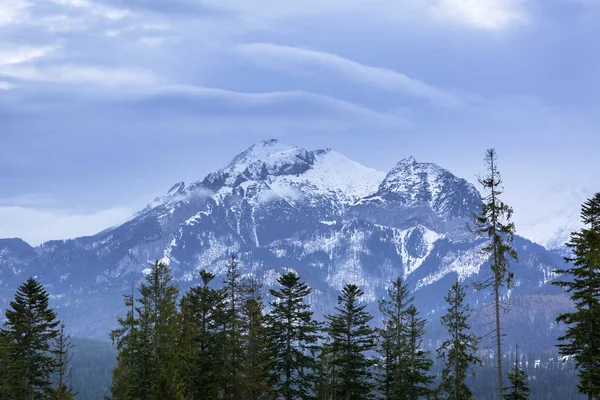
(281, 207)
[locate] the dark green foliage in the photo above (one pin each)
(582, 338)
(393, 342)
(232, 383)
(129, 374)
(148, 341)
(293, 335)
(202, 345)
(256, 363)
(418, 378)
(518, 389)
(459, 350)
(351, 338)
(4, 357)
(28, 335)
(494, 223)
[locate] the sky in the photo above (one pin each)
(105, 104)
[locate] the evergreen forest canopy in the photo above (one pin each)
(226, 342)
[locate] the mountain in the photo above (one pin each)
(281, 207)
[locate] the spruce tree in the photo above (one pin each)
(63, 352)
(4, 357)
(351, 338)
(232, 389)
(582, 337)
(418, 378)
(130, 375)
(518, 389)
(393, 343)
(29, 332)
(202, 345)
(459, 350)
(494, 222)
(148, 361)
(293, 337)
(256, 364)
(158, 308)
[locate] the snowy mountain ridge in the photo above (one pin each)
(281, 207)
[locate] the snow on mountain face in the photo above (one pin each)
(334, 175)
(272, 170)
(414, 184)
(278, 207)
(421, 193)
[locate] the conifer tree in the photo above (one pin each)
(582, 337)
(459, 350)
(393, 342)
(4, 357)
(29, 332)
(494, 221)
(293, 338)
(256, 364)
(130, 375)
(202, 344)
(351, 338)
(63, 353)
(418, 379)
(232, 389)
(518, 389)
(148, 364)
(158, 307)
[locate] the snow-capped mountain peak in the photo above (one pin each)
(277, 207)
(265, 152)
(331, 173)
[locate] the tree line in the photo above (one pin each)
(224, 342)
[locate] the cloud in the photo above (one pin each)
(79, 74)
(476, 14)
(37, 225)
(5, 85)
(95, 8)
(183, 7)
(20, 54)
(11, 10)
(285, 193)
(288, 58)
(218, 102)
(483, 14)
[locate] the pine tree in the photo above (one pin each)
(494, 222)
(63, 353)
(148, 363)
(351, 338)
(293, 337)
(130, 375)
(582, 337)
(202, 345)
(518, 389)
(256, 363)
(232, 389)
(29, 331)
(459, 350)
(418, 378)
(160, 317)
(4, 357)
(393, 342)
